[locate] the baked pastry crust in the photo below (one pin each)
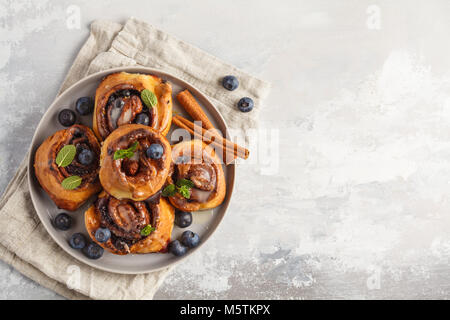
(148, 175)
(198, 162)
(113, 85)
(50, 175)
(124, 218)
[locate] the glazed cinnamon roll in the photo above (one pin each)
(128, 169)
(84, 166)
(119, 101)
(197, 180)
(135, 226)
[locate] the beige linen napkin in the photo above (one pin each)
(26, 245)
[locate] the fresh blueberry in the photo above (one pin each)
(183, 219)
(102, 235)
(245, 104)
(190, 239)
(155, 151)
(230, 83)
(77, 241)
(85, 157)
(126, 93)
(93, 251)
(67, 117)
(84, 105)
(63, 221)
(176, 248)
(142, 118)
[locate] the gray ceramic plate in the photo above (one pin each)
(204, 223)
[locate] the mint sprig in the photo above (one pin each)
(183, 187)
(185, 182)
(71, 182)
(66, 155)
(126, 153)
(147, 230)
(169, 191)
(185, 191)
(149, 98)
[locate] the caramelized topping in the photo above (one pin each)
(123, 110)
(123, 106)
(124, 218)
(202, 175)
(199, 195)
(78, 137)
(139, 166)
(133, 106)
(130, 167)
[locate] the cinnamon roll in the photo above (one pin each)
(135, 226)
(84, 166)
(197, 180)
(127, 170)
(119, 101)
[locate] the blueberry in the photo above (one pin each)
(155, 151)
(142, 118)
(67, 117)
(176, 248)
(102, 235)
(63, 221)
(85, 157)
(126, 93)
(84, 106)
(93, 251)
(77, 241)
(245, 104)
(183, 219)
(190, 239)
(230, 83)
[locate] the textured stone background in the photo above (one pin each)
(357, 203)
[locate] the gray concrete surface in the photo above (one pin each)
(358, 206)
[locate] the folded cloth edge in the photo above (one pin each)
(19, 264)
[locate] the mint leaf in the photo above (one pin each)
(126, 153)
(185, 191)
(119, 154)
(183, 188)
(71, 182)
(185, 182)
(169, 191)
(147, 230)
(66, 155)
(149, 98)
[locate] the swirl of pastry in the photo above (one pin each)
(127, 220)
(118, 102)
(50, 175)
(197, 162)
(136, 177)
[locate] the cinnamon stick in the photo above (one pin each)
(192, 107)
(208, 131)
(229, 148)
(227, 154)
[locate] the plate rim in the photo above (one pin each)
(131, 69)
